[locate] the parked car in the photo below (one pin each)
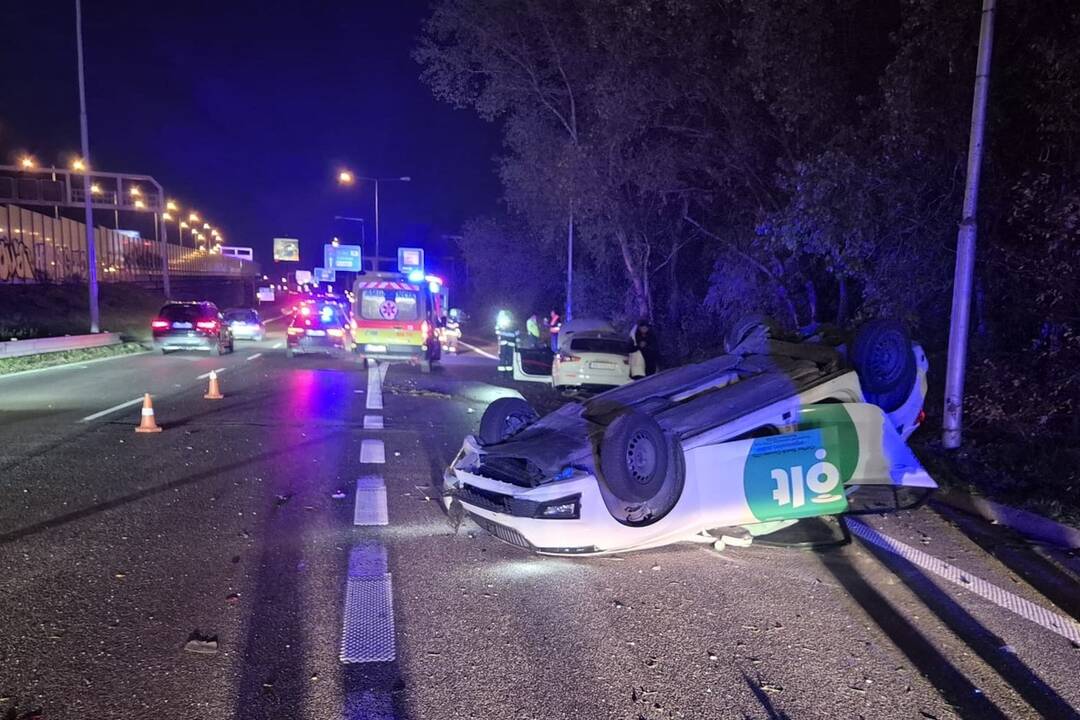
(245, 324)
(191, 326)
(591, 357)
(319, 328)
(758, 438)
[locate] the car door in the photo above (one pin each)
(533, 364)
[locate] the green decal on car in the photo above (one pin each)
(802, 474)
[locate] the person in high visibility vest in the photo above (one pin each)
(507, 335)
(532, 327)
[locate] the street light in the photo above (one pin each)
(135, 191)
(27, 162)
(172, 206)
(95, 189)
(139, 204)
(193, 217)
(78, 165)
(346, 177)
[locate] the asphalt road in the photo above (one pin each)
(237, 523)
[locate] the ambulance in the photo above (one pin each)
(395, 317)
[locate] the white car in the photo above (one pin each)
(758, 438)
(245, 324)
(591, 357)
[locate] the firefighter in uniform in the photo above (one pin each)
(508, 339)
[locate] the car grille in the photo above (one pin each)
(507, 535)
(516, 471)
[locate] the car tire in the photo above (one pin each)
(634, 457)
(289, 352)
(215, 349)
(883, 357)
(504, 418)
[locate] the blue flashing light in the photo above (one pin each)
(416, 276)
(434, 287)
(326, 313)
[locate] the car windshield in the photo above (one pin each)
(248, 316)
(379, 304)
(183, 313)
(609, 345)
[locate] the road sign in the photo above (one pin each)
(244, 253)
(303, 277)
(286, 250)
(342, 257)
(265, 294)
(410, 260)
(324, 275)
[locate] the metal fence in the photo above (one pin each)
(36, 248)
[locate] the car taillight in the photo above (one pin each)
(920, 418)
(206, 324)
(305, 310)
(295, 331)
(567, 357)
(159, 324)
(335, 332)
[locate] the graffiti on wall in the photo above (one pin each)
(16, 260)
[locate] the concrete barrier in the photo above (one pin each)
(18, 348)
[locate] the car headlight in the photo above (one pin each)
(567, 508)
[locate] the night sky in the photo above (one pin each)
(245, 110)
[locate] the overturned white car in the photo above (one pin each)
(758, 438)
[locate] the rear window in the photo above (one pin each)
(320, 316)
(389, 305)
(242, 315)
(612, 346)
(184, 313)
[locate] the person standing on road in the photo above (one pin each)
(532, 327)
(646, 342)
(552, 323)
(507, 335)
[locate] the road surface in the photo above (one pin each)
(236, 524)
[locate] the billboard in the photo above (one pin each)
(324, 275)
(244, 253)
(286, 250)
(342, 257)
(303, 277)
(410, 260)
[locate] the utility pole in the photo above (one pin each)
(91, 248)
(965, 240)
(570, 265)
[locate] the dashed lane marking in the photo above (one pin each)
(373, 422)
(372, 451)
(374, 388)
(277, 346)
(370, 501)
(367, 633)
(256, 355)
(207, 374)
(1055, 623)
(113, 409)
(478, 351)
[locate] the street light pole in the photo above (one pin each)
(375, 260)
(345, 177)
(965, 241)
(91, 248)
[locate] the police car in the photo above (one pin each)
(759, 438)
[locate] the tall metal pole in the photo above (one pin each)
(570, 266)
(91, 248)
(375, 261)
(965, 240)
(164, 255)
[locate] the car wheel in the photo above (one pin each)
(504, 418)
(289, 352)
(884, 359)
(215, 349)
(634, 456)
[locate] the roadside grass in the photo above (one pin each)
(36, 311)
(65, 357)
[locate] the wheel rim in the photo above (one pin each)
(886, 359)
(641, 458)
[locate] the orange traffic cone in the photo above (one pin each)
(147, 424)
(213, 392)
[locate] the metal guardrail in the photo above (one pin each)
(19, 348)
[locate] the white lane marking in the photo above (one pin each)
(374, 388)
(256, 355)
(79, 365)
(1055, 623)
(373, 422)
(370, 506)
(367, 633)
(372, 451)
(113, 409)
(277, 346)
(478, 351)
(207, 374)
